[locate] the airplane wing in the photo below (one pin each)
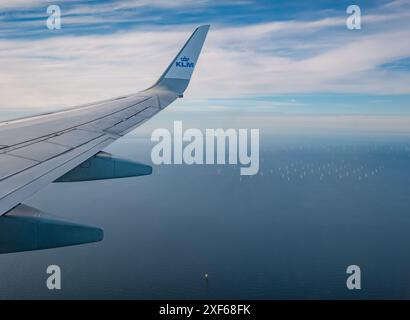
(39, 150)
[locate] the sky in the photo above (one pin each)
(293, 57)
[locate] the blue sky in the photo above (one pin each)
(123, 15)
(282, 56)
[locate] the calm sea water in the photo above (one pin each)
(317, 206)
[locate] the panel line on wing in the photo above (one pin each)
(11, 165)
(74, 138)
(39, 151)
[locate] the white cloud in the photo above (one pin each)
(8, 4)
(259, 59)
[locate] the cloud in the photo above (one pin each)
(16, 4)
(293, 56)
(132, 4)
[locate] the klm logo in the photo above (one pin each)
(184, 63)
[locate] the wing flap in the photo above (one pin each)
(39, 151)
(10, 165)
(74, 138)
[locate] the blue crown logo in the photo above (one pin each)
(183, 62)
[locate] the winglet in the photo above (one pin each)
(176, 77)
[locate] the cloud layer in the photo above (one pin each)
(290, 56)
